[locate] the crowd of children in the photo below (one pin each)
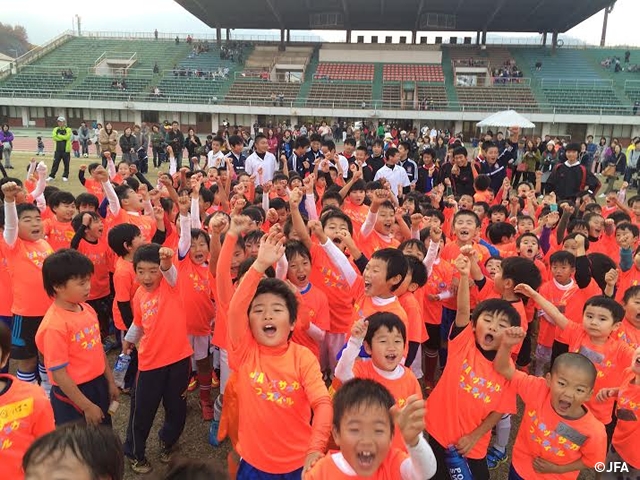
(342, 308)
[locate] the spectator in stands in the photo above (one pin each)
(175, 138)
(177, 40)
(83, 137)
(193, 144)
(155, 34)
(627, 56)
(108, 139)
(6, 145)
(538, 65)
(128, 145)
(62, 149)
(156, 68)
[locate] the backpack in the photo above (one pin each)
(583, 181)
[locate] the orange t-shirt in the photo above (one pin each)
(25, 414)
(195, 287)
(102, 258)
(483, 196)
(147, 225)
(365, 306)
(162, 316)
(224, 290)
(6, 299)
(374, 242)
(125, 286)
(627, 279)
(628, 415)
(71, 340)
(449, 253)
(401, 389)
(357, 214)
(327, 469)
(610, 360)
(25, 261)
(417, 331)
(545, 434)
(95, 188)
(470, 387)
(314, 307)
(628, 333)
(276, 386)
(329, 279)
(507, 249)
(58, 234)
(438, 282)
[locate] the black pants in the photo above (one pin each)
(65, 411)
(104, 159)
(103, 308)
(524, 356)
(169, 385)
(479, 468)
(65, 157)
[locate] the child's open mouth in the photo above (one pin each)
(367, 285)
(530, 251)
(564, 405)
(365, 459)
(301, 278)
(488, 338)
(391, 357)
(198, 257)
(269, 330)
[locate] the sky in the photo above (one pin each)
(168, 16)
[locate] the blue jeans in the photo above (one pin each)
(249, 472)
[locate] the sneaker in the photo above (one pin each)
(215, 382)
(207, 409)
(141, 467)
(165, 452)
(50, 179)
(495, 457)
(65, 179)
(9, 167)
(193, 383)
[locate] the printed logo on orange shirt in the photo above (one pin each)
(478, 387)
(558, 441)
(626, 338)
(38, 257)
(332, 279)
(88, 337)
(149, 310)
(276, 391)
(200, 284)
(10, 416)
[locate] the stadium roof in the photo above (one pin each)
(407, 15)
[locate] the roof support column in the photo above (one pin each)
(554, 42)
(288, 35)
(219, 36)
(484, 37)
(282, 36)
(478, 37)
(414, 37)
(349, 35)
(544, 39)
(228, 34)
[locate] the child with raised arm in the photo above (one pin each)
(595, 339)
(558, 435)
(384, 337)
(279, 382)
(470, 397)
(627, 395)
(363, 427)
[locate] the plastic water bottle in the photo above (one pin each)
(120, 369)
(457, 465)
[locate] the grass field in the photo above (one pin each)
(194, 440)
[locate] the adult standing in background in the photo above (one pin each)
(61, 135)
(272, 141)
(95, 136)
(194, 145)
(6, 145)
(129, 145)
(143, 137)
(175, 138)
(83, 137)
(157, 146)
(108, 140)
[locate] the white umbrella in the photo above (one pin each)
(506, 118)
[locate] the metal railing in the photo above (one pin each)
(575, 83)
(40, 51)
(370, 106)
(182, 37)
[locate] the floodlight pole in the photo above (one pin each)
(607, 11)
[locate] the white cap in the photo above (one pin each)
(61, 119)
(403, 132)
(388, 135)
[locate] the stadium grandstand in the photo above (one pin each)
(133, 77)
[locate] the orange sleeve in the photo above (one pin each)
(238, 328)
(43, 421)
(224, 283)
(320, 402)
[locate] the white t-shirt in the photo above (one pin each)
(397, 177)
(269, 166)
(344, 165)
(215, 159)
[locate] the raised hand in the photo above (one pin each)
(359, 329)
(184, 203)
(10, 190)
(240, 224)
(524, 289)
(512, 336)
(410, 419)
(463, 265)
(271, 250)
